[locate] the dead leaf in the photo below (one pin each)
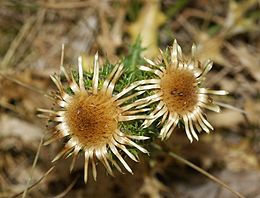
(147, 26)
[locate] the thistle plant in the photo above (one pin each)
(178, 92)
(90, 119)
(105, 115)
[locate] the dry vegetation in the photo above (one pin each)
(31, 35)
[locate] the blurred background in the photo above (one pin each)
(31, 35)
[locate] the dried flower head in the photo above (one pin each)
(89, 119)
(179, 94)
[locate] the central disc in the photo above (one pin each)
(179, 91)
(92, 119)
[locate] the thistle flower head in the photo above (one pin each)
(89, 119)
(178, 92)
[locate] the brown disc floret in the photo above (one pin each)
(92, 119)
(179, 91)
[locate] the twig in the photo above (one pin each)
(13, 108)
(22, 53)
(16, 42)
(27, 86)
(189, 13)
(200, 170)
(67, 189)
(65, 5)
(228, 106)
(30, 187)
(33, 166)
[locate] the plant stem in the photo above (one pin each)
(200, 170)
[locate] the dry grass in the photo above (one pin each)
(32, 33)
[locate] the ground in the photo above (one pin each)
(32, 33)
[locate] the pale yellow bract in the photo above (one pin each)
(89, 118)
(177, 91)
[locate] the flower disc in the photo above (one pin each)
(179, 91)
(92, 119)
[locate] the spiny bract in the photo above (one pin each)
(178, 92)
(89, 119)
